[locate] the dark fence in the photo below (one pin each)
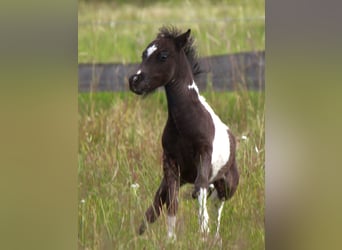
(227, 72)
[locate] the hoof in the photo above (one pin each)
(171, 238)
(195, 193)
(218, 240)
(142, 228)
(204, 235)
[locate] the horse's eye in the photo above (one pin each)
(163, 56)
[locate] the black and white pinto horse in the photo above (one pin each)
(198, 147)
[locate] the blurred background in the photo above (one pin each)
(229, 35)
(40, 119)
(118, 31)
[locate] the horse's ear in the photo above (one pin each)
(182, 39)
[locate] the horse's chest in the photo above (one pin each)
(188, 157)
(183, 143)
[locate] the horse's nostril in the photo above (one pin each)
(133, 79)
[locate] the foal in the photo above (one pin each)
(197, 147)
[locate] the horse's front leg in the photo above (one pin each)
(201, 188)
(153, 212)
(203, 170)
(171, 171)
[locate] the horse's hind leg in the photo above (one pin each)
(226, 186)
(224, 190)
(153, 212)
(217, 205)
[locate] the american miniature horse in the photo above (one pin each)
(198, 147)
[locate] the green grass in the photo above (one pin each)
(119, 144)
(118, 32)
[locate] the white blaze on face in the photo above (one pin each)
(150, 50)
(221, 143)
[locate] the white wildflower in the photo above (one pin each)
(244, 137)
(134, 188)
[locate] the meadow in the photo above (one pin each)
(113, 32)
(120, 133)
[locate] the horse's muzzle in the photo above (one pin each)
(136, 84)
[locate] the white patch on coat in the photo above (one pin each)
(221, 143)
(193, 86)
(139, 72)
(203, 215)
(171, 223)
(151, 49)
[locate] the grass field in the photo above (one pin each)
(119, 146)
(119, 32)
(120, 133)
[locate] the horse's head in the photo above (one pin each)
(159, 63)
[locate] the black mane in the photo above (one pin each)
(189, 49)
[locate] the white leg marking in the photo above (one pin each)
(203, 212)
(171, 223)
(151, 49)
(218, 206)
(219, 213)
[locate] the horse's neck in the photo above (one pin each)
(181, 99)
(177, 91)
